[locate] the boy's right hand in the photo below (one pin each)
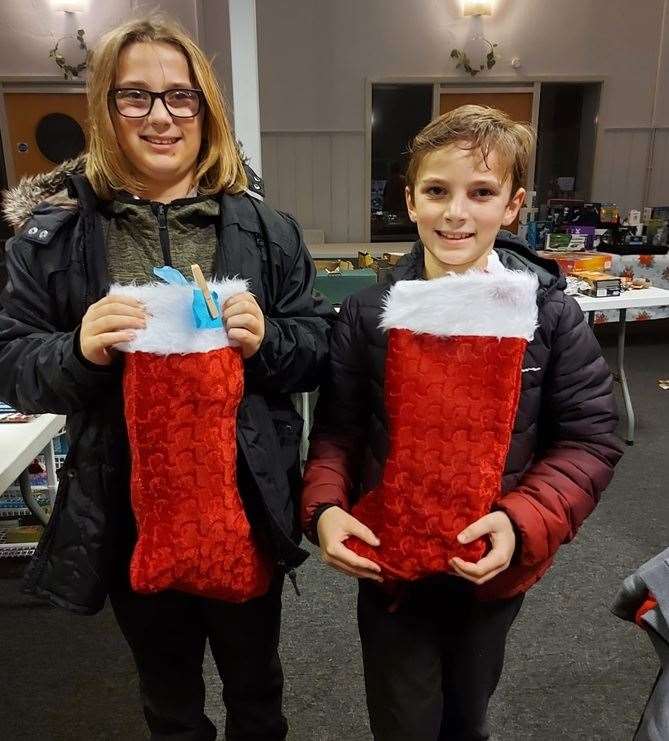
(334, 526)
(108, 322)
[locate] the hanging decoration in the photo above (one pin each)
(71, 70)
(487, 60)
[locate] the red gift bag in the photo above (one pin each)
(182, 387)
(452, 382)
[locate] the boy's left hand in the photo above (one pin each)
(498, 526)
(244, 322)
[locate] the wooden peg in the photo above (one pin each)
(202, 285)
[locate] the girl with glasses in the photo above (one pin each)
(162, 185)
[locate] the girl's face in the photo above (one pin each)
(162, 149)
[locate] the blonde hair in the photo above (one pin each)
(477, 128)
(219, 165)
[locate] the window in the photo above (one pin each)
(399, 112)
(566, 141)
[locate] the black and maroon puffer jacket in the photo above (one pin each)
(563, 448)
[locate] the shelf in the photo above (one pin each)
(15, 550)
(12, 504)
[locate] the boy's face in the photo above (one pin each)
(459, 205)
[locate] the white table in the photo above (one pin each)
(20, 444)
(640, 299)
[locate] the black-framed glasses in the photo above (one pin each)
(133, 102)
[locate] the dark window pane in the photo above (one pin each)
(399, 112)
(566, 141)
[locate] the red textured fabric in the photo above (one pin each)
(451, 404)
(193, 534)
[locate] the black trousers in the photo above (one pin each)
(432, 664)
(167, 633)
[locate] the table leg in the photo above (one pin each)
(622, 378)
(29, 499)
(591, 319)
(51, 477)
(306, 428)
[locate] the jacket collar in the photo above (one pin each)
(66, 186)
(238, 209)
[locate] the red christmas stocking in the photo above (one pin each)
(182, 387)
(453, 376)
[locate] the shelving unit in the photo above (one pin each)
(20, 444)
(15, 550)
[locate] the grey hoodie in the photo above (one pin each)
(652, 577)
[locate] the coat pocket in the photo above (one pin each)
(288, 427)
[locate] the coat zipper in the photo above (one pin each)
(291, 575)
(160, 209)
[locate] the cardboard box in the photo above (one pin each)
(570, 261)
(582, 234)
(609, 215)
(365, 260)
(330, 265)
(393, 257)
(378, 264)
(601, 284)
(558, 242)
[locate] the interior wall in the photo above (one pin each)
(28, 30)
(215, 40)
(315, 56)
(319, 176)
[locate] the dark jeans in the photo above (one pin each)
(432, 665)
(167, 633)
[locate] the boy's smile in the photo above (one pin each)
(459, 204)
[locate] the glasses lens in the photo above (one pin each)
(183, 103)
(132, 103)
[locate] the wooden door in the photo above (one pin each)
(517, 105)
(45, 129)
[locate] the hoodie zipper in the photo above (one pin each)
(160, 209)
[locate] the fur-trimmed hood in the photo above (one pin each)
(18, 203)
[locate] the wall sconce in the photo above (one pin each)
(478, 54)
(477, 7)
(69, 6)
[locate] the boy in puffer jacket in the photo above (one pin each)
(465, 430)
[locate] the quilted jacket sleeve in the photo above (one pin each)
(294, 349)
(576, 464)
(341, 420)
(41, 369)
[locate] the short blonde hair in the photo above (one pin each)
(477, 128)
(219, 164)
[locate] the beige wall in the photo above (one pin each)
(28, 30)
(316, 54)
(314, 57)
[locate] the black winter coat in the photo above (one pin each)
(563, 447)
(56, 270)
